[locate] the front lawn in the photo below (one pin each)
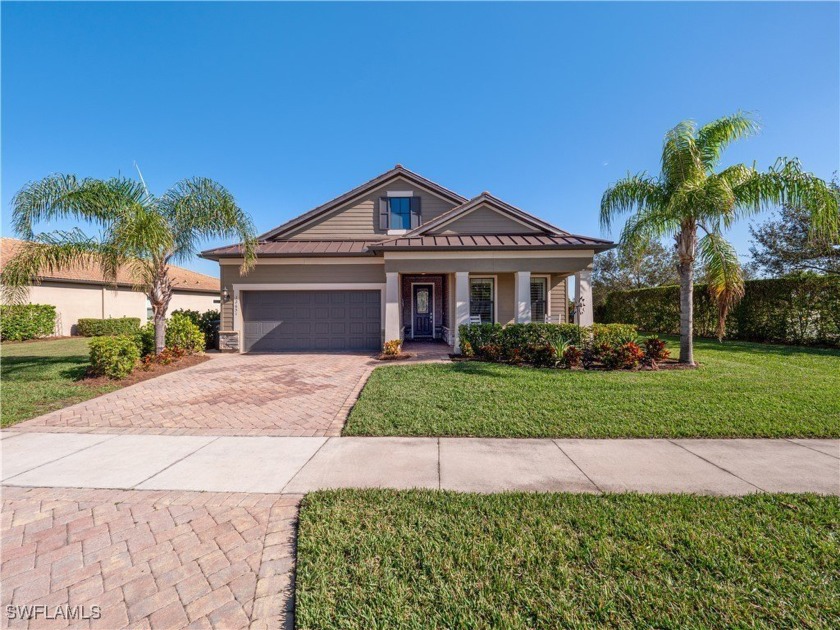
(741, 390)
(41, 376)
(425, 559)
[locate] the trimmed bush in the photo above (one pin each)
(144, 339)
(522, 336)
(802, 310)
(182, 333)
(113, 356)
(19, 322)
(88, 327)
(613, 346)
(208, 322)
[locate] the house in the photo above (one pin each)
(80, 292)
(399, 257)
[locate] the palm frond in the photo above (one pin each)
(646, 226)
(723, 275)
(785, 183)
(58, 196)
(681, 160)
(49, 253)
(635, 192)
(714, 137)
(201, 209)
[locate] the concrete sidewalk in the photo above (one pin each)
(298, 465)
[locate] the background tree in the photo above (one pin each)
(139, 231)
(689, 196)
(651, 265)
(783, 245)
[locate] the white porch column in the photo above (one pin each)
(392, 306)
(583, 291)
(462, 303)
(522, 293)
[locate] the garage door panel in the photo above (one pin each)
(299, 321)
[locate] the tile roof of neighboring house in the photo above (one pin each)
(182, 279)
(493, 241)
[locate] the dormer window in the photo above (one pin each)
(399, 211)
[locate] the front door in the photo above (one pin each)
(423, 308)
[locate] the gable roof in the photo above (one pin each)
(398, 171)
(495, 203)
(182, 279)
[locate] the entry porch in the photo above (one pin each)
(430, 306)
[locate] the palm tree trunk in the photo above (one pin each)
(160, 328)
(159, 296)
(686, 248)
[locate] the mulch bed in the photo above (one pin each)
(667, 364)
(141, 374)
(394, 357)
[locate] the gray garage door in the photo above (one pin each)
(291, 321)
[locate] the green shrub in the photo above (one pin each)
(802, 310)
(182, 333)
(19, 322)
(545, 345)
(113, 356)
(88, 327)
(613, 334)
(144, 339)
(208, 322)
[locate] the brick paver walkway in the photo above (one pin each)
(279, 394)
(149, 559)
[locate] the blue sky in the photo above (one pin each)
(289, 105)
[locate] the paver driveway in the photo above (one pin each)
(148, 559)
(262, 394)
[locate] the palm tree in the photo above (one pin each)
(691, 195)
(139, 232)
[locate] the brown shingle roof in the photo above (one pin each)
(182, 279)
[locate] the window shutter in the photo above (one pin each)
(383, 213)
(415, 212)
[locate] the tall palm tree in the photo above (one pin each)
(138, 231)
(691, 195)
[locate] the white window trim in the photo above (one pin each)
(396, 233)
(239, 322)
(432, 305)
(487, 276)
(547, 277)
(399, 193)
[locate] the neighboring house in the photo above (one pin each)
(399, 257)
(79, 292)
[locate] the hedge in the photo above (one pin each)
(108, 327)
(19, 322)
(523, 335)
(114, 356)
(802, 310)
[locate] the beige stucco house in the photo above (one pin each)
(400, 257)
(80, 292)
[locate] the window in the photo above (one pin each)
(400, 211)
(481, 299)
(539, 299)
